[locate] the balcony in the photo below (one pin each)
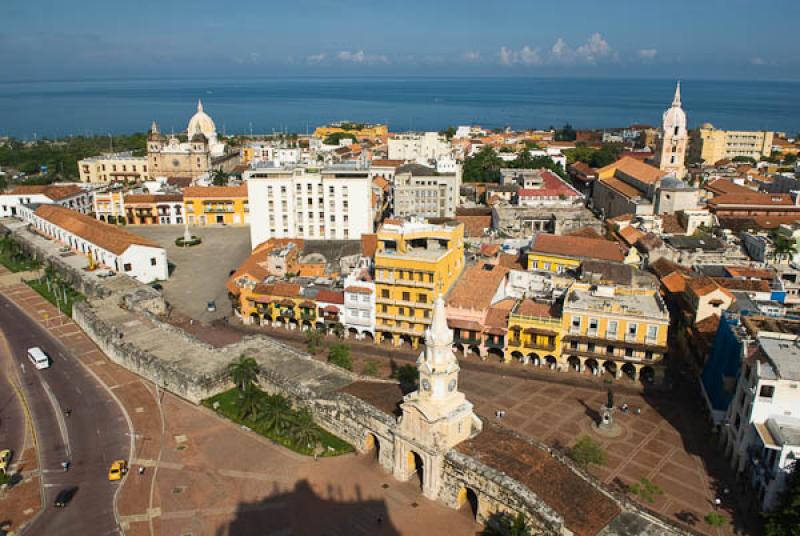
(287, 313)
(491, 343)
(308, 315)
(514, 342)
(467, 339)
(630, 337)
(544, 346)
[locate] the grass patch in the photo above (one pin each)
(72, 295)
(12, 257)
(230, 405)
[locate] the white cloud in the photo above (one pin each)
(252, 58)
(524, 56)
(316, 58)
(595, 48)
(471, 56)
(758, 61)
(647, 53)
(360, 57)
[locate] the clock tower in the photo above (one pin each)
(437, 416)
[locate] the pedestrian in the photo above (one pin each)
(717, 503)
(380, 520)
(65, 465)
(638, 411)
(23, 367)
(67, 412)
(141, 469)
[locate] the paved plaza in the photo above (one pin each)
(198, 274)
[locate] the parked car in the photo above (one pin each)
(117, 470)
(5, 459)
(157, 286)
(38, 357)
(105, 273)
(211, 306)
(65, 496)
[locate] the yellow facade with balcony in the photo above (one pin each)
(619, 331)
(216, 205)
(414, 263)
(556, 264)
(534, 335)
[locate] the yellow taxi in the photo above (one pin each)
(117, 470)
(5, 459)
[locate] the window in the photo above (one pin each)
(127, 267)
(592, 324)
(576, 322)
(153, 261)
(632, 329)
(652, 332)
(422, 298)
(385, 293)
(766, 391)
(612, 328)
(406, 296)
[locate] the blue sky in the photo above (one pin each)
(57, 39)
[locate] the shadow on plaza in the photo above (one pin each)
(302, 511)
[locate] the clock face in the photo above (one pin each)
(175, 163)
(426, 385)
(451, 386)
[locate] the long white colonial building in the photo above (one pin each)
(69, 196)
(334, 203)
(109, 245)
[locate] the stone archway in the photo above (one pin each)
(518, 356)
(592, 365)
(551, 361)
(534, 359)
(468, 496)
(372, 443)
(255, 319)
(610, 367)
(629, 370)
(496, 353)
(367, 336)
(574, 363)
(415, 465)
(474, 350)
(647, 375)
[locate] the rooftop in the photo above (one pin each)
(217, 192)
(105, 236)
(784, 356)
(635, 169)
(621, 301)
(477, 286)
(576, 247)
(50, 191)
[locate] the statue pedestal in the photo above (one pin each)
(606, 426)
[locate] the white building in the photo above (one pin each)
(419, 147)
(671, 154)
(113, 167)
(762, 428)
(334, 203)
(421, 191)
(359, 301)
(70, 196)
(108, 245)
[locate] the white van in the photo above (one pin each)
(38, 358)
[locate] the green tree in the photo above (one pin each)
(566, 133)
(314, 339)
(586, 451)
(339, 355)
(647, 490)
(449, 132)
(303, 430)
(484, 166)
(219, 178)
(250, 405)
(371, 367)
(784, 247)
(276, 413)
(338, 330)
(243, 372)
(407, 375)
(506, 525)
(746, 159)
(333, 139)
(715, 519)
(784, 519)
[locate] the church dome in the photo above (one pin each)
(674, 119)
(201, 122)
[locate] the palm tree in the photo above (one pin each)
(243, 372)
(219, 177)
(251, 406)
(784, 247)
(276, 413)
(303, 430)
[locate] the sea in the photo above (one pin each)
(36, 109)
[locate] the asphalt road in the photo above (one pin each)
(12, 420)
(95, 434)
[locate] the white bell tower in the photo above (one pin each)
(671, 155)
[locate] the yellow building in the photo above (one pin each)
(216, 204)
(559, 254)
(365, 131)
(534, 334)
(116, 167)
(248, 153)
(109, 206)
(615, 330)
(414, 263)
(711, 144)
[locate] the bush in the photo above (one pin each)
(586, 451)
(180, 242)
(339, 355)
(371, 367)
(716, 519)
(646, 490)
(313, 340)
(407, 375)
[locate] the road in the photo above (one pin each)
(12, 420)
(95, 434)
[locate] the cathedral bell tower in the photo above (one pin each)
(437, 416)
(671, 156)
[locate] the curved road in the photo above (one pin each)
(93, 436)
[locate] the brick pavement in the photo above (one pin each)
(216, 478)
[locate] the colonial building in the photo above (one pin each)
(535, 334)
(217, 204)
(103, 244)
(151, 209)
(558, 254)
(421, 191)
(421, 147)
(333, 203)
(113, 167)
(199, 155)
(414, 262)
(615, 330)
(671, 153)
(359, 302)
(68, 196)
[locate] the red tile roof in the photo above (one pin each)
(552, 186)
(724, 186)
(153, 198)
(529, 307)
(54, 192)
(330, 296)
(477, 286)
(751, 199)
(634, 168)
(216, 192)
(105, 236)
(369, 243)
(577, 247)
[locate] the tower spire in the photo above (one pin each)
(154, 128)
(677, 100)
(199, 105)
